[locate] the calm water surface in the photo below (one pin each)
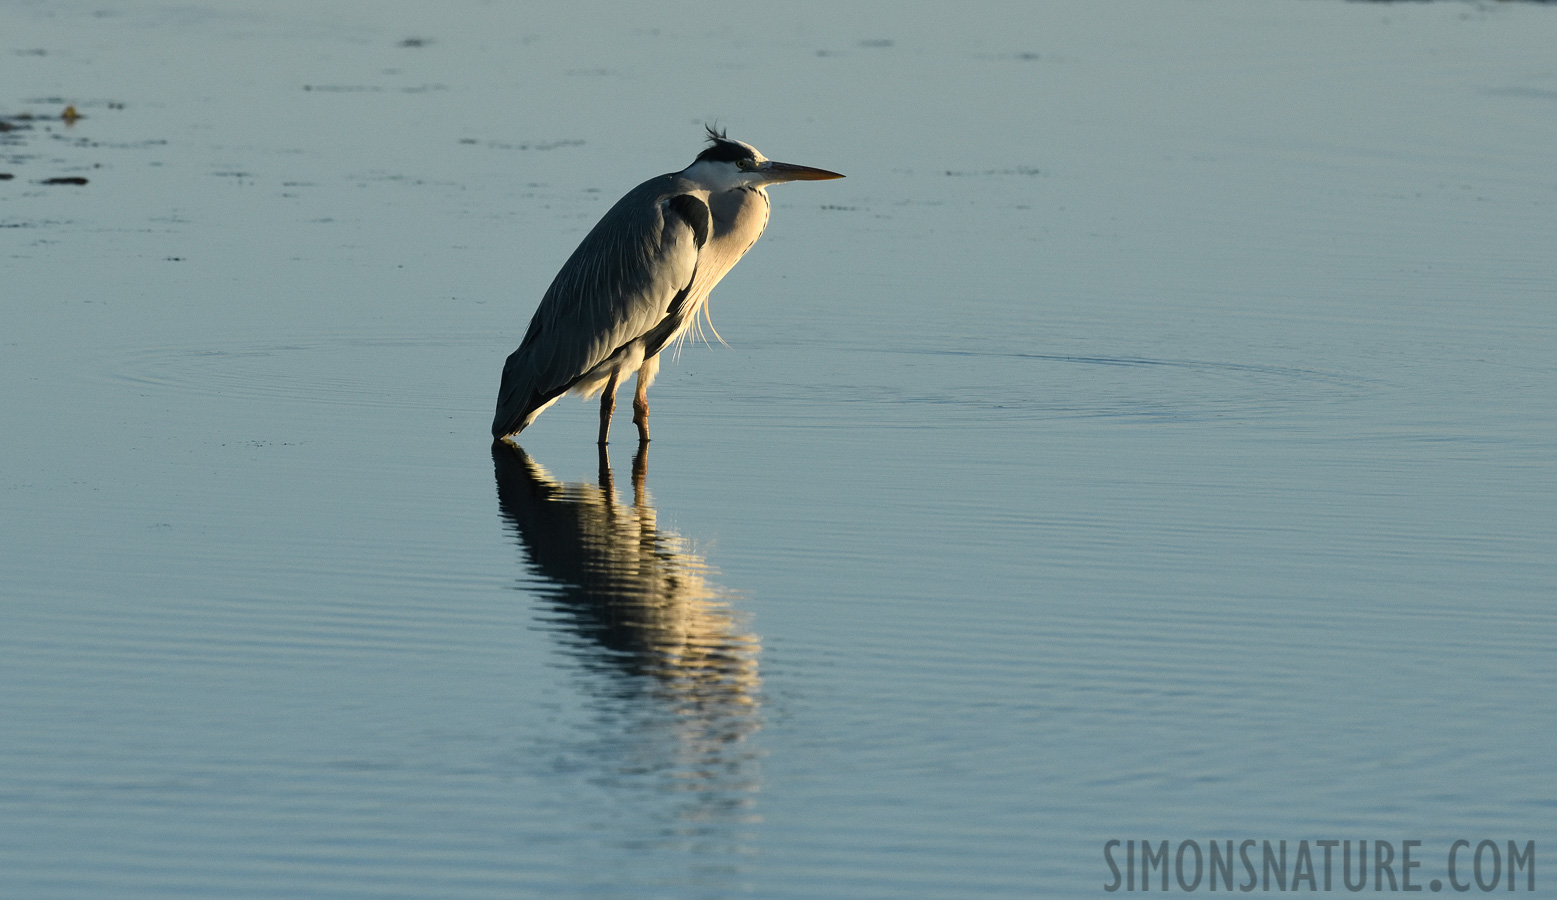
(1154, 438)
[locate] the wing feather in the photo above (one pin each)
(622, 283)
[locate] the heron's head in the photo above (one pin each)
(726, 165)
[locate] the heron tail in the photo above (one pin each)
(515, 399)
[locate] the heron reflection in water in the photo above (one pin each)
(640, 606)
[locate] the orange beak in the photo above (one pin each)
(776, 172)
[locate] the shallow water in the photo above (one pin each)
(1154, 437)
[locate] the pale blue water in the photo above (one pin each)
(1154, 438)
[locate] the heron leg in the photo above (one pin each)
(608, 406)
(641, 409)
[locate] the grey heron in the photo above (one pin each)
(638, 282)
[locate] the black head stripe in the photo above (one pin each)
(722, 149)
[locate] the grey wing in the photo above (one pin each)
(628, 274)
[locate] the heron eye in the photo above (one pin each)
(743, 163)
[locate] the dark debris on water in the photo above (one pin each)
(13, 130)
